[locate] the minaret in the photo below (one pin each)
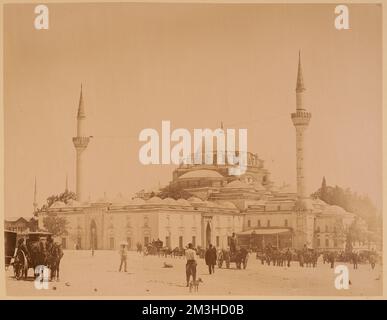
(300, 120)
(80, 143)
(35, 203)
(67, 184)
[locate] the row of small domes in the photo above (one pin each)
(152, 201)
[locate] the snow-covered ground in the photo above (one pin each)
(84, 275)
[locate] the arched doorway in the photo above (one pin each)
(208, 234)
(93, 235)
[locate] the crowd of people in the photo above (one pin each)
(270, 256)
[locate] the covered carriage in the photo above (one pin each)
(32, 253)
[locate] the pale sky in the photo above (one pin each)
(195, 65)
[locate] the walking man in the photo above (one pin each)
(210, 258)
(190, 267)
(355, 259)
(123, 255)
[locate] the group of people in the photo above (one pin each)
(210, 258)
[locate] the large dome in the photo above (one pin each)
(200, 174)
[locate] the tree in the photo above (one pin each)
(55, 224)
(361, 206)
(176, 194)
(63, 197)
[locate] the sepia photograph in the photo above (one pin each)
(193, 150)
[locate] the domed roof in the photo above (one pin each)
(195, 200)
(210, 204)
(169, 201)
(334, 210)
(58, 204)
(319, 202)
(155, 200)
(201, 174)
(237, 184)
(182, 202)
(73, 203)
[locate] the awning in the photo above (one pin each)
(264, 231)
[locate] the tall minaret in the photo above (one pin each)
(35, 203)
(80, 143)
(300, 120)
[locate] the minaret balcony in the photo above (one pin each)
(301, 117)
(81, 142)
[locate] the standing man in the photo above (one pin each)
(355, 259)
(233, 242)
(123, 252)
(288, 257)
(190, 267)
(210, 258)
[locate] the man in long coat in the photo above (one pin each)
(210, 258)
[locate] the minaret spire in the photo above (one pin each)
(301, 119)
(81, 106)
(81, 142)
(300, 79)
(35, 203)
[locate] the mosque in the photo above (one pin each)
(217, 206)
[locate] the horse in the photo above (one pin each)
(54, 257)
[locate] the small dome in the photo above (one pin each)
(319, 202)
(73, 203)
(155, 200)
(237, 184)
(169, 201)
(195, 174)
(195, 200)
(58, 204)
(334, 210)
(183, 202)
(210, 204)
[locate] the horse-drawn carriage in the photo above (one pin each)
(38, 250)
(240, 256)
(154, 247)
